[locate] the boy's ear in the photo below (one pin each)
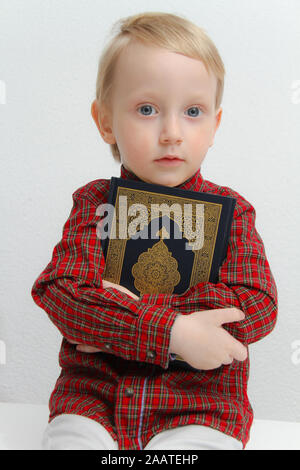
(217, 123)
(102, 118)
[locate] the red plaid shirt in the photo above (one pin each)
(131, 387)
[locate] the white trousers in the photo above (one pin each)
(76, 432)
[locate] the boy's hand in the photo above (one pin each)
(121, 288)
(84, 347)
(200, 340)
(91, 349)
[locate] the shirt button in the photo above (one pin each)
(151, 354)
(129, 392)
(107, 346)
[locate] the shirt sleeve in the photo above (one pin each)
(245, 281)
(71, 293)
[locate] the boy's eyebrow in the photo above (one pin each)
(191, 97)
(136, 93)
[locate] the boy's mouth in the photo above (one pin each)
(170, 157)
(169, 160)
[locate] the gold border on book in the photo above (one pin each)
(203, 257)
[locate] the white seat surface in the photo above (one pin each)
(22, 426)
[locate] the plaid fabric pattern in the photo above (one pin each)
(131, 387)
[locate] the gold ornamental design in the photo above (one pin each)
(156, 269)
(151, 269)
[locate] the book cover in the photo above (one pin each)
(160, 239)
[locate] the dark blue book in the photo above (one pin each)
(160, 239)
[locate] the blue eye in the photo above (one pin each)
(148, 107)
(197, 114)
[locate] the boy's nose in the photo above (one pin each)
(171, 140)
(171, 132)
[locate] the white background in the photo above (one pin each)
(50, 146)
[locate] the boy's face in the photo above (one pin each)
(163, 103)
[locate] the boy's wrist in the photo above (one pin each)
(176, 335)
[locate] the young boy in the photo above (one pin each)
(159, 89)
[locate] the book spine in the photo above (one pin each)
(228, 228)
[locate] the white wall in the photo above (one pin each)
(50, 146)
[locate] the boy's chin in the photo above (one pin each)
(163, 182)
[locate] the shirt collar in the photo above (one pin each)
(194, 183)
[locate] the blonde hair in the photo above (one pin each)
(165, 30)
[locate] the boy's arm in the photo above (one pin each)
(70, 290)
(245, 282)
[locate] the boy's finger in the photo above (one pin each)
(87, 349)
(236, 349)
(120, 288)
(239, 352)
(108, 284)
(228, 315)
